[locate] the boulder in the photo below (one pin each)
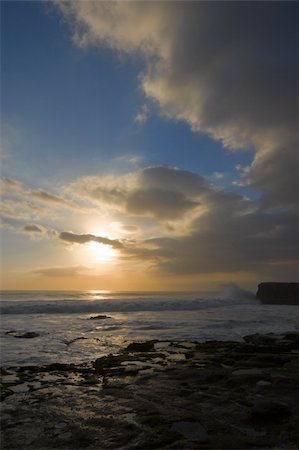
(278, 293)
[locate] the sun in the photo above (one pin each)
(98, 252)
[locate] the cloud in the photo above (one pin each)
(161, 203)
(143, 251)
(218, 175)
(164, 193)
(50, 198)
(21, 202)
(142, 115)
(223, 232)
(7, 183)
(185, 226)
(229, 69)
(61, 271)
(13, 187)
(231, 237)
(85, 238)
(33, 229)
(21, 210)
(129, 228)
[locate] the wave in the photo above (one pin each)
(100, 306)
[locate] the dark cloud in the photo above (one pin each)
(165, 193)
(173, 179)
(144, 250)
(85, 238)
(160, 203)
(239, 242)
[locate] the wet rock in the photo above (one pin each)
(100, 317)
(60, 425)
(261, 339)
(193, 431)
(177, 357)
(111, 362)
(80, 338)
(27, 335)
(269, 410)
(65, 437)
(148, 346)
(58, 367)
(5, 392)
(268, 360)
(4, 371)
(248, 373)
(20, 388)
(263, 384)
(146, 399)
(292, 336)
(10, 379)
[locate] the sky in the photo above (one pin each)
(148, 145)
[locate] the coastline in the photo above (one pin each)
(159, 394)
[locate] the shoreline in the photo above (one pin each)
(162, 395)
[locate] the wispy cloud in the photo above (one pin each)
(16, 187)
(63, 272)
(50, 198)
(142, 115)
(21, 202)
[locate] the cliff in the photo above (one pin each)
(278, 293)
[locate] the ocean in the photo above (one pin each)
(67, 334)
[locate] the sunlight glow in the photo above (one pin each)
(100, 252)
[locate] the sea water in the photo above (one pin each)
(66, 332)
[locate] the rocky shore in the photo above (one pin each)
(159, 395)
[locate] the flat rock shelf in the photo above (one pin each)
(159, 395)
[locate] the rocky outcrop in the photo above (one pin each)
(176, 395)
(278, 293)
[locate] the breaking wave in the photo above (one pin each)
(130, 305)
